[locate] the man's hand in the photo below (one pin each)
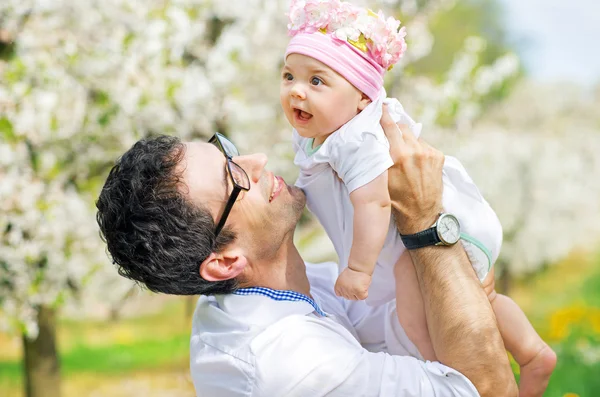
(415, 179)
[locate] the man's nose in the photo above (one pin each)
(253, 164)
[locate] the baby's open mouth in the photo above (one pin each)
(302, 115)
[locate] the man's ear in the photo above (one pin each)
(223, 266)
(364, 102)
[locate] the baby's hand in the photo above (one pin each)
(352, 284)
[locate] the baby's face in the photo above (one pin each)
(315, 99)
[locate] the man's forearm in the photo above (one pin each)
(461, 323)
(460, 319)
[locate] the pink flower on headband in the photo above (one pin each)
(311, 16)
(345, 14)
(318, 13)
(371, 33)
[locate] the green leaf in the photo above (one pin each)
(54, 123)
(129, 37)
(172, 89)
(7, 132)
(16, 71)
(104, 119)
(100, 97)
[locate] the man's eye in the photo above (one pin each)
(288, 76)
(316, 81)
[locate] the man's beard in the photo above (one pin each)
(299, 202)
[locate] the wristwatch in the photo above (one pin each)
(445, 231)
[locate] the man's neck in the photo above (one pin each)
(285, 270)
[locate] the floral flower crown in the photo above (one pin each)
(371, 33)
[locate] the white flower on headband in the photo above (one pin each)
(347, 33)
(371, 33)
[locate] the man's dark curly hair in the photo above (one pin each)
(154, 235)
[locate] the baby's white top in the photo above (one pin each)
(359, 151)
(356, 154)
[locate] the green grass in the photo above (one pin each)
(591, 289)
(573, 374)
(147, 343)
(10, 375)
(115, 359)
(121, 358)
(578, 366)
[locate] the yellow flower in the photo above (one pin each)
(584, 316)
(563, 318)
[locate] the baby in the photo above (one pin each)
(332, 94)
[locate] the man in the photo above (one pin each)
(198, 218)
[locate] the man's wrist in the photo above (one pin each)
(415, 224)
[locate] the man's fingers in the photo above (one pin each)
(391, 130)
(432, 152)
(407, 134)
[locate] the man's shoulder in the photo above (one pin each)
(247, 358)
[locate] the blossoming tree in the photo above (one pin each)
(534, 158)
(80, 82)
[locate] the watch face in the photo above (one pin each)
(448, 229)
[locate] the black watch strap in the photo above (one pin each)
(422, 239)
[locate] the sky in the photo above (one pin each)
(558, 40)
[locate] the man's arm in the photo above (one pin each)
(304, 356)
(460, 319)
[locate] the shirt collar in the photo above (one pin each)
(280, 295)
(254, 310)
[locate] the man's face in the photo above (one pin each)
(262, 216)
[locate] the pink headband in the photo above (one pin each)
(345, 59)
(355, 42)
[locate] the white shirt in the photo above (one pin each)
(257, 346)
(356, 154)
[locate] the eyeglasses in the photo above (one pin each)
(239, 178)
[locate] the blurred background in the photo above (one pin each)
(512, 88)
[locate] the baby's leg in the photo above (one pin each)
(410, 307)
(536, 359)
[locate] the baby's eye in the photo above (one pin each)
(316, 81)
(288, 76)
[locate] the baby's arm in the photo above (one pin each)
(372, 208)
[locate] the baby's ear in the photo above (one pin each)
(364, 102)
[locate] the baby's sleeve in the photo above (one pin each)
(359, 159)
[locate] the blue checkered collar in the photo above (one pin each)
(257, 310)
(280, 295)
(260, 310)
